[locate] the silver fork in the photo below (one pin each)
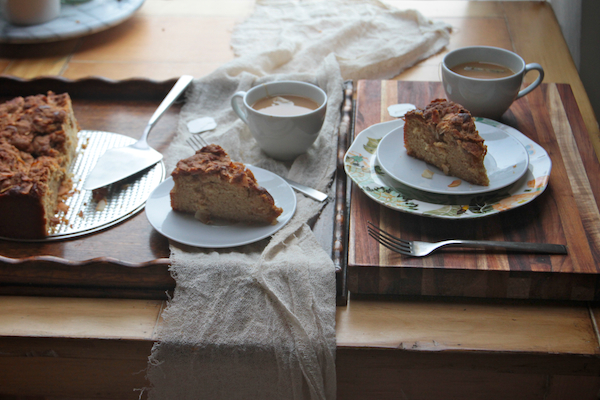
(421, 249)
(197, 142)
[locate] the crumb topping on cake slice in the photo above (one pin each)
(211, 186)
(36, 125)
(444, 134)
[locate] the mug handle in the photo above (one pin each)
(235, 104)
(536, 83)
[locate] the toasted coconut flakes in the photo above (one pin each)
(427, 174)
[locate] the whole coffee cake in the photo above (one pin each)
(38, 142)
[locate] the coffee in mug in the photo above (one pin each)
(487, 95)
(286, 104)
(282, 134)
(482, 70)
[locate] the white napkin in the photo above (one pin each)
(258, 321)
(371, 40)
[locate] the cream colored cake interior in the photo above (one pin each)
(209, 199)
(447, 153)
(212, 187)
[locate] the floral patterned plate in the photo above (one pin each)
(362, 167)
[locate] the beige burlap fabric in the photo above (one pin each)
(258, 321)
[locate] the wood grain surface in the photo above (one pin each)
(566, 213)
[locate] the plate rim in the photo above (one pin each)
(41, 33)
(360, 167)
(289, 214)
(458, 191)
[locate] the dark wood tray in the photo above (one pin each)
(131, 259)
(566, 213)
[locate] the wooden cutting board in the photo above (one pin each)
(565, 213)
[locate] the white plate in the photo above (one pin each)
(184, 228)
(75, 20)
(360, 163)
(506, 161)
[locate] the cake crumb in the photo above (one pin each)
(101, 205)
(99, 194)
(63, 208)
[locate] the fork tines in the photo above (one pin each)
(389, 241)
(196, 142)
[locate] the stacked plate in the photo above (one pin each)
(518, 169)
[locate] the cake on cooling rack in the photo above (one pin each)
(212, 187)
(443, 134)
(38, 142)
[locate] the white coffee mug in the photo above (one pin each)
(29, 12)
(487, 97)
(282, 137)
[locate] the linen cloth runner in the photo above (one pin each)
(258, 321)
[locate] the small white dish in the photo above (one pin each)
(398, 110)
(506, 162)
(73, 21)
(185, 229)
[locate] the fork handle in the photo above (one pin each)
(310, 192)
(179, 86)
(547, 248)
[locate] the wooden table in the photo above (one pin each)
(388, 347)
